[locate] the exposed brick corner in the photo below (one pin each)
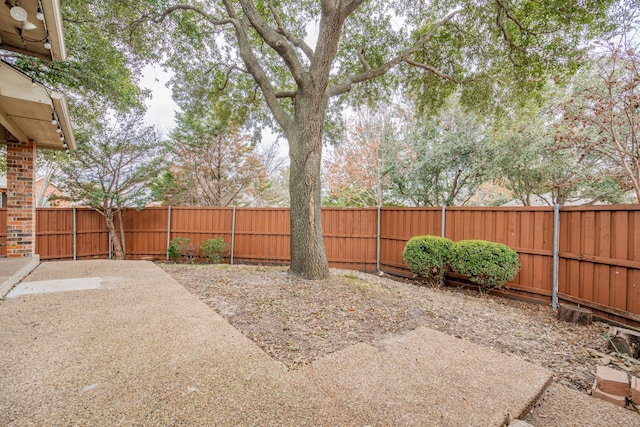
(635, 390)
(21, 207)
(612, 381)
(611, 398)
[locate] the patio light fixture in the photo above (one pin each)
(40, 14)
(28, 25)
(19, 14)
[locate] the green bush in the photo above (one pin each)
(427, 256)
(181, 249)
(213, 249)
(487, 264)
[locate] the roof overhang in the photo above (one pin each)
(30, 38)
(27, 108)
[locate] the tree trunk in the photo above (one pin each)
(574, 314)
(308, 257)
(626, 341)
(113, 234)
(123, 243)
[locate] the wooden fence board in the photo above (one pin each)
(350, 237)
(54, 233)
(198, 224)
(262, 235)
(92, 240)
(398, 225)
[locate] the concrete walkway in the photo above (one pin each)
(13, 270)
(136, 348)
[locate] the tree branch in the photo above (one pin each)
(276, 41)
(431, 70)
(296, 41)
(246, 52)
(346, 85)
(349, 7)
(210, 18)
(256, 70)
(286, 94)
(363, 60)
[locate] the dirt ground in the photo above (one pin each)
(297, 321)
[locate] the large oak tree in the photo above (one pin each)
(302, 58)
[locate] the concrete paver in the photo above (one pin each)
(141, 350)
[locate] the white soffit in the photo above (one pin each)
(26, 109)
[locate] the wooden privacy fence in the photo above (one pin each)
(597, 262)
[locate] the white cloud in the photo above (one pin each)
(160, 107)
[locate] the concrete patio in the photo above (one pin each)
(122, 343)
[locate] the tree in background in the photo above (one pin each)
(245, 48)
(115, 161)
(445, 158)
(48, 167)
(213, 163)
(273, 188)
(534, 160)
(356, 171)
(602, 117)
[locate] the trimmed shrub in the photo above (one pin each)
(488, 264)
(213, 250)
(181, 249)
(426, 256)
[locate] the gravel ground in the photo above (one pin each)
(297, 321)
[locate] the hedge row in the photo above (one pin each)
(488, 264)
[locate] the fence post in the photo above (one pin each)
(168, 229)
(75, 233)
(233, 233)
(444, 213)
(378, 243)
(556, 243)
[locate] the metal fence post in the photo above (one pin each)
(168, 229)
(75, 234)
(444, 213)
(556, 243)
(378, 243)
(233, 233)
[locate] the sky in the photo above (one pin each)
(160, 108)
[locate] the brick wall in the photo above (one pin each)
(21, 211)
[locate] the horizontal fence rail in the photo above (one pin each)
(598, 257)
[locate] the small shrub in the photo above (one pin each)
(213, 250)
(427, 256)
(488, 264)
(181, 249)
